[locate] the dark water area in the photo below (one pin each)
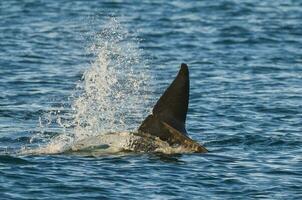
(245, 60)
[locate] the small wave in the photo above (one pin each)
(257, 141)
(9, 159)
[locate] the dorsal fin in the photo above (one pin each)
(171, 108)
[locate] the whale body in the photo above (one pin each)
(164, 130)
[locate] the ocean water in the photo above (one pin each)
(73, 69)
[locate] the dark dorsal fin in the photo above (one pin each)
(171, 108)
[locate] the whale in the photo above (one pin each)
(162, 131)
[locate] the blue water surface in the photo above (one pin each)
(245, 60)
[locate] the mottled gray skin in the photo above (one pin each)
(168, 117)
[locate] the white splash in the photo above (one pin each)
(111, 96)
(113, 87)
